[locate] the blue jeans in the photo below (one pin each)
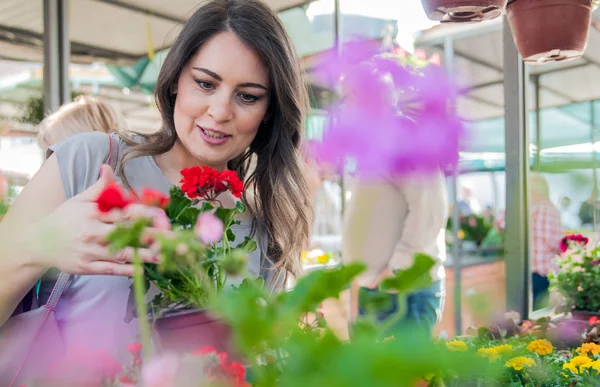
(539, 285)
(423, 307)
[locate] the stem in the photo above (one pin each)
(182, 210)
(140, 300)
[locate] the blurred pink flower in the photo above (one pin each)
(160, 220)
(209, 228)
(85, 365)
(393, 120)
(161, 371)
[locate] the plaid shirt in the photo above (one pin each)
(546, 234)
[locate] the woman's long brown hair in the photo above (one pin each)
(280, 199)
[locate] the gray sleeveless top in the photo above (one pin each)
(92, 313)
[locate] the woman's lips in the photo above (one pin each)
(213, 137)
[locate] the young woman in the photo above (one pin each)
(230, 93)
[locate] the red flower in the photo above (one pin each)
(569, 239)
(593, 320)
(236, 186)
(154, 198)
(236, 371)
(126, 379)
(205, 182)
(205, 351)
(134, 349)
(111, 198)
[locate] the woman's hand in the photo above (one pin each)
(73, 237)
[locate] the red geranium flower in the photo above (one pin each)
(154, 198)
(127, 380)
(134, 349)
(207, 183)
(112, 197)
(236, 186)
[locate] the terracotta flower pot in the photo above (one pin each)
(460, 11)
(550, 30)
(190, 330)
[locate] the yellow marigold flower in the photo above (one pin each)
(580, 360)
(589, 349)
(490, 353)
(570, 367)
(461, 234)
(304, 255)
(456, 346)
(541, 347)
(520, 362)
(595, 365)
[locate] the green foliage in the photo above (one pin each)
(475, 227)
(33, 110)
(292, 352)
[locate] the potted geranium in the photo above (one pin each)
(460, 11)
(196, 254)
(577, 278)
(550, 30)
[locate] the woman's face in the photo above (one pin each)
(222, 98)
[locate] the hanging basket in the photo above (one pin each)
(192, 329)
(462, 11)
(550, 30)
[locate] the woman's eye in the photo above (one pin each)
(205, 85)
(248, 98)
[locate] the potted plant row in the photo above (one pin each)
(543, 30)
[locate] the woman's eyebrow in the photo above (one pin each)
(220, 79)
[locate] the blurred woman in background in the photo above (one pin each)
(84, 114)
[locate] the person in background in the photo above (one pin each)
(587, 209)
(84, 114)
(547, 232)
(468, 204)
(569, 219)
(385, 225)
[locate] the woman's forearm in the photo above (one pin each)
(18, 274)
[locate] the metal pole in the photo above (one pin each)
(516, 240)
(338, 44)
(538, 124)
(57, 55)
(457, 247)
(594, 170)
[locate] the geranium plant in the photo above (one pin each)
(194, 250)
(577, 277)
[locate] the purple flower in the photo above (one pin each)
(209, 228)
(392, 120)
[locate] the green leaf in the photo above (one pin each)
(414, 278)
(314, 288)
(248, 245)
(240, 207)
(374, 302)
(226, 215)
(181, 210)
(230, 235)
